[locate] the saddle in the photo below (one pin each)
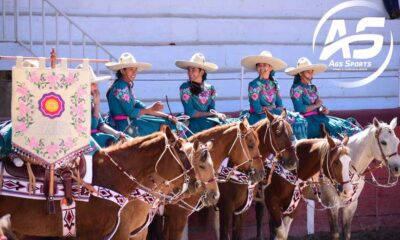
(61, 176)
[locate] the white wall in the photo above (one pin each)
(224, 31)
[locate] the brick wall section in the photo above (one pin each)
(378, 207)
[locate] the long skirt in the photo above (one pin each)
(336, 127)
(142, 126)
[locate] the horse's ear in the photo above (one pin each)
(393, 123)
(323, 130)
(270, 116)
(209, 144)
(345, 140)
(376, 122)
(170, 135)
(284, 113)
(196, 144)
(244, 125)
(331, 142)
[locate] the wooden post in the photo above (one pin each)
(53, 58)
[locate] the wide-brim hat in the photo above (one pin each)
(304, 64)
(127, 60)
(198, 61)
(94, 78)
(30, 63)
(250, 62)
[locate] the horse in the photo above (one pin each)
(200, 159)
(282, 195)
(378, 141)
(275, 135)
(5, 228)
(117, 170)
(240, 144)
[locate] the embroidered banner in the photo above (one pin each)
(50, 112)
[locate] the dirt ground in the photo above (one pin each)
(381, 234)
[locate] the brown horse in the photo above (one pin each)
(201, 161)
(226, 144)
(275, 136)
(315, 155)
(140, 159)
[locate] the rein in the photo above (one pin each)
(163, 197)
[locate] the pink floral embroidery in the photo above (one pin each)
(270, 98)
(21, 128)
(70, 78)
(23, 109)
(296, 95)
(33, 143)
(254, 96)
(52, 149)
(69, 143)
(34, 78)
(21, 90)
(81, 92)
(79, 110)
(185, 97)
(80, 128)
(53, 79)
(203, 100)
(125, 97)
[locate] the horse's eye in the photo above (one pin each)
(202, 167)
(251, 146)
(383, 142)
(390, 131)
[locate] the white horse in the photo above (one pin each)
(379, 142)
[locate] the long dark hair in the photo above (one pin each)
(118, 75)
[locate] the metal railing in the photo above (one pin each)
(54, 14)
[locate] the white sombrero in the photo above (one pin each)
(94, 78)
(30, 63)
(250, 62)
(199, 61)
(127, 60)
(304, 64)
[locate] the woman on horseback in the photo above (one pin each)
(129, 114)
(306, 100)
(264, 92)
(198, 96)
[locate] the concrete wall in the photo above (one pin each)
(161, 32)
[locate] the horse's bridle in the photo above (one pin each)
(164, 197)
(246, 152)
(278, 153)
(384, 157)
(331, 174)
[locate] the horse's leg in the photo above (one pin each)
(348, 213)
(225, 220)
(287, 222)
(333, 216)
(237, 226)
(259, 217)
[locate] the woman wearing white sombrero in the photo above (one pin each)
(102, 133)
(306, 100)
(264, 93)
(198, 96)
(130, 114)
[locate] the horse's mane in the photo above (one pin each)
(141, 141)
(211, 131)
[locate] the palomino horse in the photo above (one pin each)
(200, 158)
(275, 136)
(118, 170)
(284, 192)
(240, 144)
(379, 142)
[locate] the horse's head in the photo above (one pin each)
(336, 164)
(278, 138)
(202, 163)
(5, 227)
(244, 153)
(386, 143)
